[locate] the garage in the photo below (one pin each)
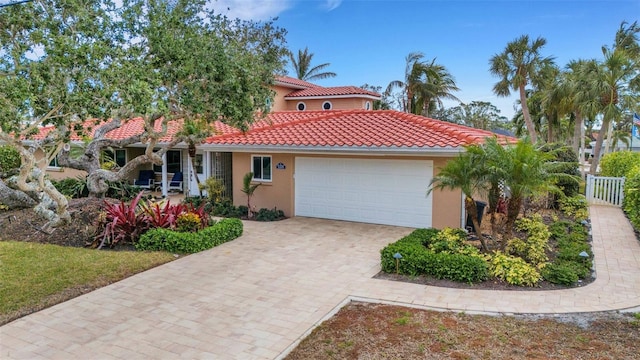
(378, 191)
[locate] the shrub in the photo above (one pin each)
(9, 161)
(188, 222)
(566, 163)
(190, 242)
(560, 273)
(225, 208)
(73, 188)
(214, 188)
(533, 249)
(418, 260)
(632, 196)
(269, 215)
(513, 270)
(122, 190)
(575, 206)
(452, 241)
(619, 163)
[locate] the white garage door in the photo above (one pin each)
(391, 192)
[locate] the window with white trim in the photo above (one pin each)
(327, 105)
(261, 167)
(367, 105)
(301, 106)
(53, 164)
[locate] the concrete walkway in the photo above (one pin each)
(255, 297)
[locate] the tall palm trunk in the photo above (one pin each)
(527, 115)
(598, 148)
(577, 136)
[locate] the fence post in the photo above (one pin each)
(589, 188)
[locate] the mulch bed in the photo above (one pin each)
(25, 225)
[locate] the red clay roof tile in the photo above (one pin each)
(373, 129)
(342, 128)
(331, 91)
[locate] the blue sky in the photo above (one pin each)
(366, 41)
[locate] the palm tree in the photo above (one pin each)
(526, 171)
(304, 71)
(609, 82)
(412, 72)
(425, 84)
(516, 66)
(435, 84)
(467, 173)
(249, 189)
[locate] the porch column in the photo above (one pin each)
(165, 183)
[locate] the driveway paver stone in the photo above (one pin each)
(255, 297)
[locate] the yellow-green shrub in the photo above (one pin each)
(575, 206)
(513, 270)
(533, 249)
(188, 222)
(632, 196)
(618, 163)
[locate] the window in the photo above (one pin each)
(117, 156)
(261, 167)
(367, 105)
(326, 105)
(301, 106)
(54, 163)
(174, 162)
(267, 105)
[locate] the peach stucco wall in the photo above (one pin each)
(336, 104)
(280, 192)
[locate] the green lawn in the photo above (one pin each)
(34, 276)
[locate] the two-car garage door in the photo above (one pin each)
(379, 191)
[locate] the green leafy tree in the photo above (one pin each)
(476, 114)
(158, 60)
(302, 66)
(516, 66)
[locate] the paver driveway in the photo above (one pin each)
(254, 297)
(249, 298)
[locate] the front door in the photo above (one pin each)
(197, 167)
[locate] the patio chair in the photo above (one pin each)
(145, 180)
(176, 181)
(174, 184)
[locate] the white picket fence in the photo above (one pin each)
(602, 190)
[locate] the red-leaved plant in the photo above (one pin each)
(123, 223)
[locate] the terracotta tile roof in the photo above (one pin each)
(133, 127)
(331, 91)
(357, 128)
(383, 129)
(297, 83)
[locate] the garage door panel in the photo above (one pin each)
(377, 191)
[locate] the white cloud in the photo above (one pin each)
(332, 4)
(250, 9)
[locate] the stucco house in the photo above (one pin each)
(323, 152)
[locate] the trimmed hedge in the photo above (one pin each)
(632, 196)
(187, 242)
(417, 259)
(619, 163)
